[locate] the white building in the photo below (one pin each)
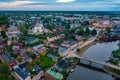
(36, 28)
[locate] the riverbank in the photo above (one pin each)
(115, 72)
(83, 49)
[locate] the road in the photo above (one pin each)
(72, 52)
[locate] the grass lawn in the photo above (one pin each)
(83, 49)
(44, 62)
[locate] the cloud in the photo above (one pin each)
(62, 1)
(60, 4)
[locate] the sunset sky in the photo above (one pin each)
(69, 5)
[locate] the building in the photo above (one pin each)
(51, 75)
(10, 60)
(1, 49)
(72, 44)
(51, 38)
(116, 29)
(39, 48)
(36, 27)
(13, 34)
(21, 74)
(79, 42)
(63, 50)
(28, 58)
(54, 58)
(30, 40)
(2, 27)
(39, 72)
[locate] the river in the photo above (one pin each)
(99, 51)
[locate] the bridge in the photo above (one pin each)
(98, 64)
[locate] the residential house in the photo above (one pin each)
(21, 73)
(39, 48)
(30, 40)
(39, 72)
(13, 34)
(72, 44)
(10, 60)
(54, 58)
(79, 42)
(2, 27)
(63, 51)
(51, 38)
(29, 49)
(1, 49)
(61, 36)
(116, 29)
(53, 44)
(28, 58)
(22, 52)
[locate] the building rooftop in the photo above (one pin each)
(56, 75)
(52, 57)
(21, 72)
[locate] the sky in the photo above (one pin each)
(61, 5)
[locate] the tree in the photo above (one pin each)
(23, 29)
(87, 30)
(81, 32)
(4, 70)
(78, 50)
(94, 32)
(108, 29)
(3, 34)
(119, 45)
(50, 26)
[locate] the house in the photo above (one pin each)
(13, 34)
(116, 29)
(53, 44)
(21, 74)
(15, 48)
(61, 36)
(10, 60)
(2, 27)
(79, 42)
(72, 44)
(30, 40)
(54, 58)
(63, 50)
(51, 75)
(1, 49)
(51, 38)
(22, 52)
(28, 58)
(29, 49)
(39, 72)
(56, 67)
(39, 48)
(64, 64)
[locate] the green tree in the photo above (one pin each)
(78, 50)
(108, 29)
(50, 26)
(87, 31)
(4, 70)
(23, 29)
(3, 34)
(119, 45)
(81, 32)
(94, 32)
